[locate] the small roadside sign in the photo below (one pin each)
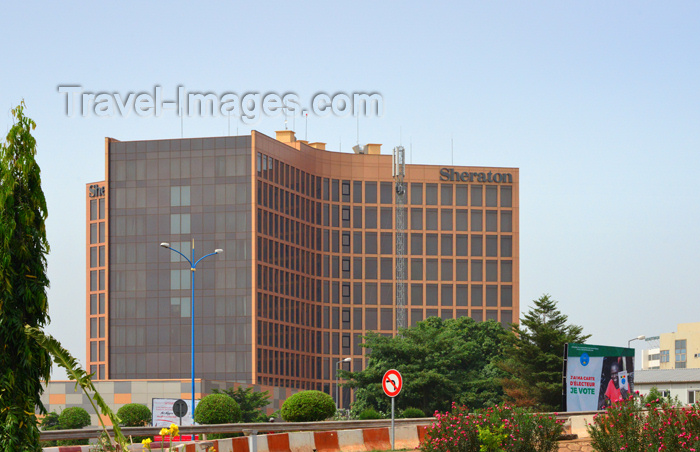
(392, 383)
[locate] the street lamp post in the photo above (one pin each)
(337, 388)
(193, 268)
(638, 338)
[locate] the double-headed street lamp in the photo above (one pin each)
(193, 268)
(337, 388)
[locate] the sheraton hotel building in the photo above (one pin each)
(309, 240)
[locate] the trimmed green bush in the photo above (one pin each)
(134, 415)
(410, 413)
(368, 414)
(308, 406)
(73, 418)
(217, 409)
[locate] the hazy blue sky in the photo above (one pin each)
(597, 103)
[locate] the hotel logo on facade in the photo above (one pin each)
(449, 174)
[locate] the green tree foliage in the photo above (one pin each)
(308, 406)
(534, 358)
(24, 364)
(134, 415)
(252, 403)
(441, 361)
(217, 409)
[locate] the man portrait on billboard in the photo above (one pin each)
(616, 382)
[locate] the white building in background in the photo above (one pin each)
(679, 350)
(681, 383)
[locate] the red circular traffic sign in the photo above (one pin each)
(392, 382)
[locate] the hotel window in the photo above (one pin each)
(446, 295)
(416, 219)
(431, 219)
(431, 194)
(370, 192)
(416, 244)
(506, 221)
(180, 196)
(665, 355)
(445, 245)
(335, 191)
(93, 209)
(387, 218)
(506, 196)
(346, 191)
(357, 192)
(386, 189)
(446, 194)
(417, 194)
(462, 195)
(462, 245)
(371, 217)
(680, 354)
(491, 196)
(446, 219)
(476, 195)
(491, 220)
(491, 246)
(387, 242)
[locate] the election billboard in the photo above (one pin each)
(163, 414)
(596, 376)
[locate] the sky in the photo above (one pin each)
(597, 103)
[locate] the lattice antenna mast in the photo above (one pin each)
(399, 172)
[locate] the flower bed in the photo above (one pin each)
(632, 425)
(501, 428)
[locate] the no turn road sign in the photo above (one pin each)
(392, 383)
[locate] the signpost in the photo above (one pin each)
(180, 409)
(392, 384)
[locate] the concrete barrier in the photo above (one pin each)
(356, 440)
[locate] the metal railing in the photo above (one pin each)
(248, 429)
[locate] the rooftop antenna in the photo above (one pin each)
(358, 129)
(181, 122)
(306, 127)
(340, 144)
(284, 110)
(229, 123)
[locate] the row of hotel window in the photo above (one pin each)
(382, 293)
(277, 253)
(343, 191)
(181, 196)
(419, 270)
(359, 217)
(284, 310)
(169, 167)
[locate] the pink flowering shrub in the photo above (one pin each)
(525, 431)
(633, 425)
